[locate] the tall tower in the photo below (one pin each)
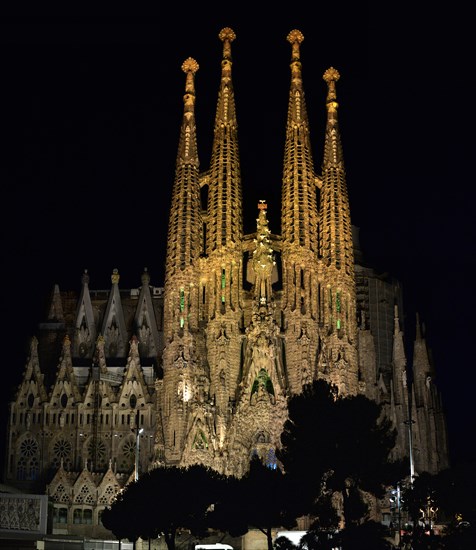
(337, 290)
(299, 222)
(181, 302)
(236, 346)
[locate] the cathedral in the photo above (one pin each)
(199, 369)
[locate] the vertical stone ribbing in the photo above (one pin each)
(336, 255)
(224, 212)
(181, 312)
(185, 226)
(222, 266)
(299, 223)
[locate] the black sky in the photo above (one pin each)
(91, 110)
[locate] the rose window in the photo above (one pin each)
(29, 447)
(62, 448)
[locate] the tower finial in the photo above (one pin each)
(115, 276)
(331, 76)
(227, 36)
(190, 67)
(295, 38)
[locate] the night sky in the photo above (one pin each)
(90, 117)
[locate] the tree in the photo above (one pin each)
(162, 501)
(260, 499)
(119, 519)
(448, 497)
(369, 535)
(338, 445)
(363, 444)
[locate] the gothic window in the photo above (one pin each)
(77, 516)
(29, 447)
(133, 401)
(30, 400)
(97, 452)
(62, 450)
(126, 461)
(60, 515)
(64, 400)
(21, 469)
(83, 516)
(34, 468)
(28, 466)
(107, 496)
(84, 495)
(87, 516)
(61, 494)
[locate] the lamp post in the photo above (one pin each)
(136, 472)
(395, 500)
(409, 423)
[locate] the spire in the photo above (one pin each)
(263, 263)
(85, 325)
(336, 246)
(299, 194)
(145, 323)
(225, 225)
(399, 361)
(66, 389)
(33, 379)
(423, 372)
(185, 225)
(114, 326)
(56, 306)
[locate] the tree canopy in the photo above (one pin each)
(331, 446)
(261, 499)
(162, 501)
(338, 445)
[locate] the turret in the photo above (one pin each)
(185, 223)
(337, 290)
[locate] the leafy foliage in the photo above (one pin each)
(260, 499)
(162, 501)
(369, 535)
(338, 444)
(444, 497)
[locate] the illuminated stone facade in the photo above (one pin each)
(206, 363)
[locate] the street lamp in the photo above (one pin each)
(409, 423)
(136, 472)
(396, 500)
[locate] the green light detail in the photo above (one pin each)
(182, 322)
(338, 323)
(182, 299)
(338, 301)
(223, 278)
(200, 441)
